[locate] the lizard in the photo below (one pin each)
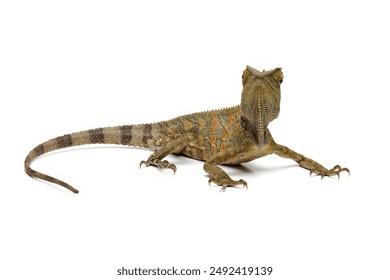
(228, 136)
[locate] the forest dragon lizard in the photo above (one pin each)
(227, 136)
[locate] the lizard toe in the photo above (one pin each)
(159, 164)
(228, 183)
(335, 171)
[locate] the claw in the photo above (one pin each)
(344, 169)
(142, 162)
(173, 167)
(336, 170)
(223, 188)
(159, 164)
(224, 184)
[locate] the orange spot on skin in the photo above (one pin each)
(231, 126)
(213, 139)
(214, 124)
(231, 119)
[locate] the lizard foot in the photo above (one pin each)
(160, 164)
(226, 183)
(321, 171)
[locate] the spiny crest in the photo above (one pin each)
(210, 111)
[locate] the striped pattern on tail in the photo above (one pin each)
(142, 135)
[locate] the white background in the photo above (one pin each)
(72, 65)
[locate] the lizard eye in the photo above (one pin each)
(281, 80)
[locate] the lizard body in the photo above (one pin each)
(227, 136)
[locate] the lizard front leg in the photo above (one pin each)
(220, 177)
(170, 146)
(308, 163)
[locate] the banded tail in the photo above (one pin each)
(143, 135)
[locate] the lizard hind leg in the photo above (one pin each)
(170, 146)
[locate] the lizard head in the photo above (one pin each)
(260, 99)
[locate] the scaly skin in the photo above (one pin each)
(226, 136)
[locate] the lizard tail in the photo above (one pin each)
(143, 135)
